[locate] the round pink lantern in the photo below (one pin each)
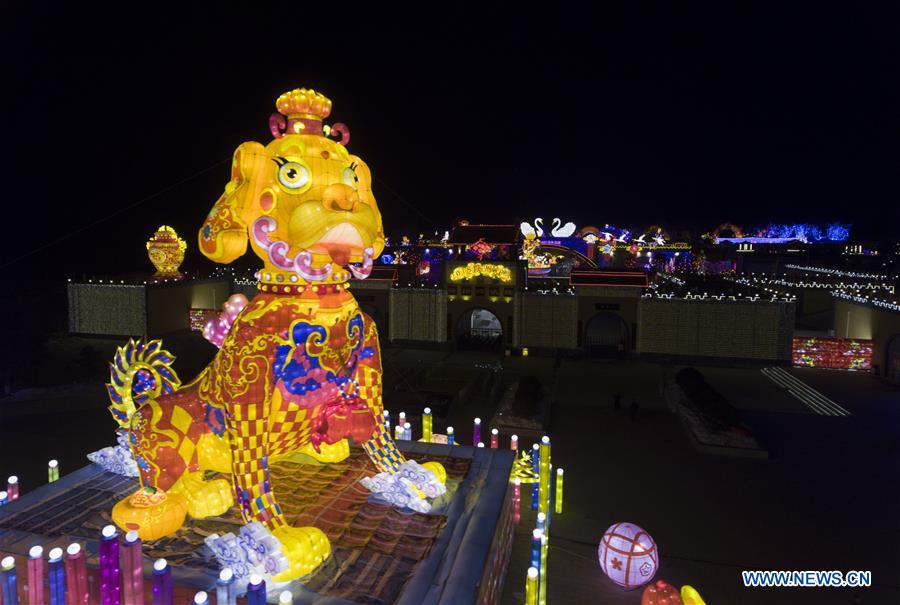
(628, 555)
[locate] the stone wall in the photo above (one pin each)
(141, 310)
(547, 321)
(710, 328)
(418, 314)
(108, 309)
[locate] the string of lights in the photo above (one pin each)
(890, 305)
(668, 282)
(838, 272)
(762, 281)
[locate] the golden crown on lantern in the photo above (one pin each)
(301, 111)
(304, 102)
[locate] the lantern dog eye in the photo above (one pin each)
(349, 178)
(292, 175)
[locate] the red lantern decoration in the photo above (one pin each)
(661, 593)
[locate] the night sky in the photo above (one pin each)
(687, 116)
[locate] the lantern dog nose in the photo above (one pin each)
(340, 197)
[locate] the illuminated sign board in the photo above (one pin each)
(832, 353)
(199, 317)
(473, 270)
(649, 246)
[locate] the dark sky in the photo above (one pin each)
(685, 115)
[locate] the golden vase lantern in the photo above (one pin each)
(166, 252)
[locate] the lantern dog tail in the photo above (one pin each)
(147, 397)
(140, 371)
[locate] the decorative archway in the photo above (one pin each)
(606, 334)
(583, 261)
(479, 328)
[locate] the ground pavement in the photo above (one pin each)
(826, 500)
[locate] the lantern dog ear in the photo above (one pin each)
(364, 190)
(223, 236)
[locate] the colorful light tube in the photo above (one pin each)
(162, 583)
(36, 574)
(77, 592)
(517, 500)
(426, 425)
(542, 584)
(558, 497)
(256, 590)
(110, 588)
(57, 577)
(226, 588)
(10, 590)
(544, 476)
(52, 471)
(531, 586)
(12, 488)
(133, 569)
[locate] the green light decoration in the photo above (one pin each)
(426, 425)
(544, 507)
(558, 497)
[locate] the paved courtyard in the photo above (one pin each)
(826, 500)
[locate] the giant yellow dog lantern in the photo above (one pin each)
(298, 371)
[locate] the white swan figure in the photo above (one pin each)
(564, 231)
(607, 235)
(539, 226)
(622, 239)
(527, 230)
(640, 240)
(660, 240)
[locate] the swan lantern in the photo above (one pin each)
(537, 230)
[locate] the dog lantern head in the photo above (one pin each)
(303, 201)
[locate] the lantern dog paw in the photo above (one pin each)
(298, 367)
(305, 548)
